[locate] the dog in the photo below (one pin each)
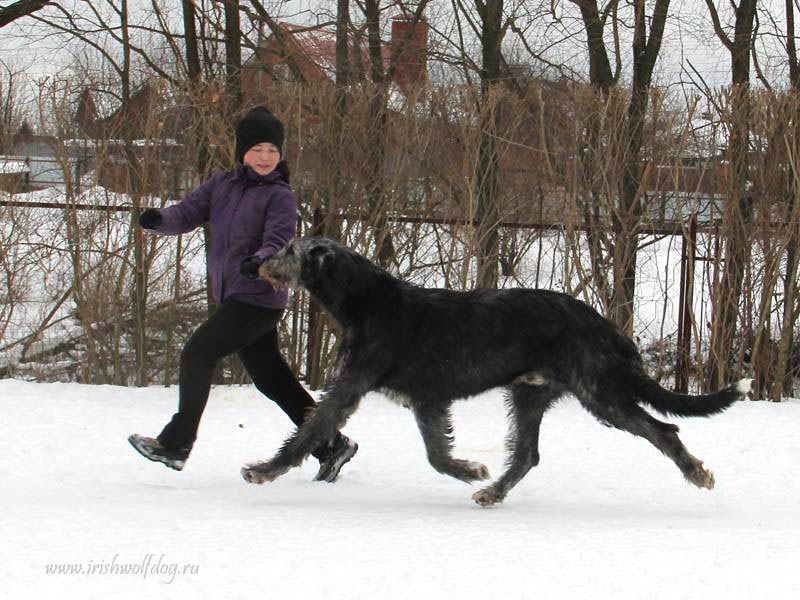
(426, 348)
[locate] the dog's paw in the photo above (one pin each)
(473, 470)
(481, 471)
(487, 497)
(701, 477)
(252, 474)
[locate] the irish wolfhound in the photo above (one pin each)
(428, 347)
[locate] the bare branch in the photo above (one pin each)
(718, 25)
(19, 9)
(759, 73)
(280, 35)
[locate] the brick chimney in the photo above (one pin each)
(411, 57)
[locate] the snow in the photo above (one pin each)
(8, 167)
(603, 516)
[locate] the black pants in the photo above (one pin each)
(251, 331)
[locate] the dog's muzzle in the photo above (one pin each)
(278, 273)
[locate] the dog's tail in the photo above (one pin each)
(650, 392)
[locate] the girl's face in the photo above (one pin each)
(262, 158)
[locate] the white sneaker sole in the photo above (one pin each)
(176, 465)
(331, 473)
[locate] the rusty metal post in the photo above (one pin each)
(684, 342)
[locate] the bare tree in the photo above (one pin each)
(493, 29)
(626, 209)
(233, 57)
(380, 78)
(782, 148)
(738, 208)
(782, 383)
(325, 225)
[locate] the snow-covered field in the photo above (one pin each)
(603, 516)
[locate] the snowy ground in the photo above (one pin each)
(603, 516)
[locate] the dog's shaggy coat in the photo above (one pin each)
(429, 347)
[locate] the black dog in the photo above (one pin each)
(429, 347)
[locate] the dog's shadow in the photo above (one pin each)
(428, 502)
(631, 513)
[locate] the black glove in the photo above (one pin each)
(150, 219)
(249, 266)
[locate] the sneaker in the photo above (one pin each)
(342, 450)
(152, 449)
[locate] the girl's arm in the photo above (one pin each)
(191, 212)
(280, 225)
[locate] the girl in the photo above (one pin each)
(253, 214)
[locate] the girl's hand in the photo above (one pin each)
(249, 267)
(150, 219)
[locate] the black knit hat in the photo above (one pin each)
(257, 126)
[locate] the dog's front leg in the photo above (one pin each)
(437, 432)
(326, 419)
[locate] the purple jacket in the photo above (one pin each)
(249, 215)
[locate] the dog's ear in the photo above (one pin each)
(322, 259)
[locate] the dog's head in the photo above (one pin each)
(342, 281)
(304, 262)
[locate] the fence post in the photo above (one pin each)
(684, 342)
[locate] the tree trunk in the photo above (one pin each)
(488, 177)
(599, 66)
(791, 47)
(134, 189)
(626, 239)
(323, 223)
(738, 209)
(783, 381)
(378, 131)
(601, 79)
(190, 35)
(233, 57)
(627, 207)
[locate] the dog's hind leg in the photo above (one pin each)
(618, 411)
(319, 428)
(526, 406)
(436, 428)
